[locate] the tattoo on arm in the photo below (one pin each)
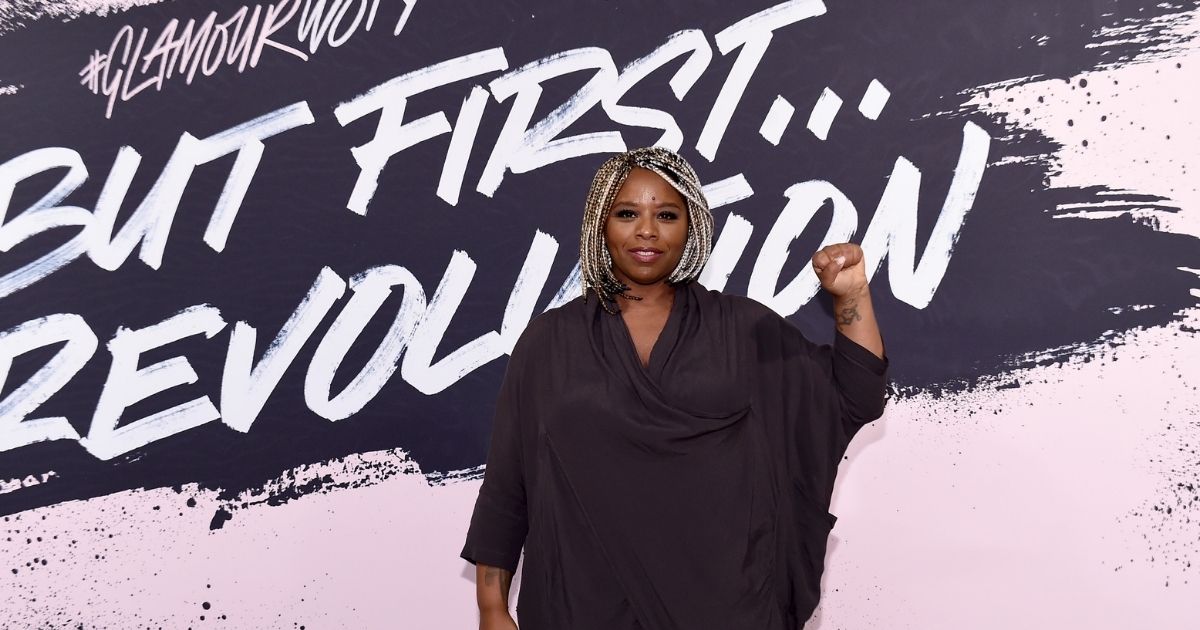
(493, 576)
(490, 575)
(848, 313)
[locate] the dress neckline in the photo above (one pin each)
(661, 349)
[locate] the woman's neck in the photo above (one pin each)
(653, 296)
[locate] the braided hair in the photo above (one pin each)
(594, 259)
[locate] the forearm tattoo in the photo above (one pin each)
(847, 313)
(493, 576)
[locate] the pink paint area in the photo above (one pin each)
(377, 556)
(1069, 501)
(1043, 506)
(1132, 127)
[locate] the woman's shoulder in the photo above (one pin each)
(748, 318)
(553, 322)
(744, 308)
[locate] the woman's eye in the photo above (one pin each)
(625, 213)
(667, 215)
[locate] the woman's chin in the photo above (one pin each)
(647, 280)
(636, 275)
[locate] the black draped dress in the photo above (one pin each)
(689, 494)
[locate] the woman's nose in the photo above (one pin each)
(646, 228)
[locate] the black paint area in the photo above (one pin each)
(1019, 281)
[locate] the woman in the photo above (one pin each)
(666, 454)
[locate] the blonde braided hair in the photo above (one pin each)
(594, 259)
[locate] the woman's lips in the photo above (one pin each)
(645, 255)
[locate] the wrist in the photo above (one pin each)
(859, 294)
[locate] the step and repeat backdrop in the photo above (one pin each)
(262, 264)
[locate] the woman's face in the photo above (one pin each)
(646, 229)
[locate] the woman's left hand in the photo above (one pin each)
(841, 268)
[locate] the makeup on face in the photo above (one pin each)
(646, 229)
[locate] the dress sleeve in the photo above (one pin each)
(861, 380)
(500, 521)
(833, 390)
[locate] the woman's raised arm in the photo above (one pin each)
(841, 268)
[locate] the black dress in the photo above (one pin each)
(687, 495)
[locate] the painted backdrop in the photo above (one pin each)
(261, 265)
